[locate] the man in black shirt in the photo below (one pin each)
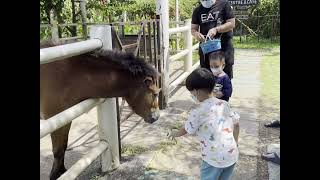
(215, 18)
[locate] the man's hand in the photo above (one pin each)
(195, 32)
(200, 37)
(212, 32)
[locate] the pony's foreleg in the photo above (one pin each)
(59, 140)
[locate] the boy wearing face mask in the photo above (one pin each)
(215, 18)
(215, 125)
(223, 87)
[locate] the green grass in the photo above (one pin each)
(270, 75)
(132, 150)
(253, 43)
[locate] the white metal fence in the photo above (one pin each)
(108, 147)
(187, 52)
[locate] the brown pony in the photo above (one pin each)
(102, 74)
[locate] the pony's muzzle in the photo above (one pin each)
(154, 116)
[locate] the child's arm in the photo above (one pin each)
(181, 132)
(236, 126)
(190, 127)
(236, 130)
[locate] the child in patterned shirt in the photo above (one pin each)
(215, 125)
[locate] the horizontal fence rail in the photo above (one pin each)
(179, 55)
(64, 51)
(187, 53)
(179, 29)
(85, 161)
(67, 116)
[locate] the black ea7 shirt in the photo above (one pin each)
(212, 17)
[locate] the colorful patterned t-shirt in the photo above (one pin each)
(213, 122)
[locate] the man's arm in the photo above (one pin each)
(195, 32)
(226, 27)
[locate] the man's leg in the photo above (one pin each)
(204, 61)
(228, 69)
(229, 58)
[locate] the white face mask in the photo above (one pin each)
(207, 3)
(216, 71)
(194, 98)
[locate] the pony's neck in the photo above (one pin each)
(107, 81)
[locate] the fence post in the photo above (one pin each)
(107, 112)
(177, 25)
(271, 33)
(241, 32)
(162, 11)
(188, 45)
(54, 29)
(83, 11)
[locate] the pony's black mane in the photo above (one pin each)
(135, 65)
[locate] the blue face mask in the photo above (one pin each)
(208, 3)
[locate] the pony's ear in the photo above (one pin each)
(151, 85)
(157, 90)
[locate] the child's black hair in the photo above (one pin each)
(201, 78)
(219, 55)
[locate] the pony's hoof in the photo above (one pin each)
(55, 175)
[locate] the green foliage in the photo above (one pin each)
(264, 19)
(138, 10)
(266, 7)
(186, 8)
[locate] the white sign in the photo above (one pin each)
(243, 2)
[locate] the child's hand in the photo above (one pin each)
(219, 94)
(172, 134)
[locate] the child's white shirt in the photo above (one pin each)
(213, 123)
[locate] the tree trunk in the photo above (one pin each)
(74, 20)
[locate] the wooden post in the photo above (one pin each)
(241, 31)
(124, 19)
(150, 42)
(73, 9)
(271, 31)
(162, 11)
(155, 48)
(118, 125)
(188, 45)
(177, 25)
(54, 28)
(84, 18)
(144, 41)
